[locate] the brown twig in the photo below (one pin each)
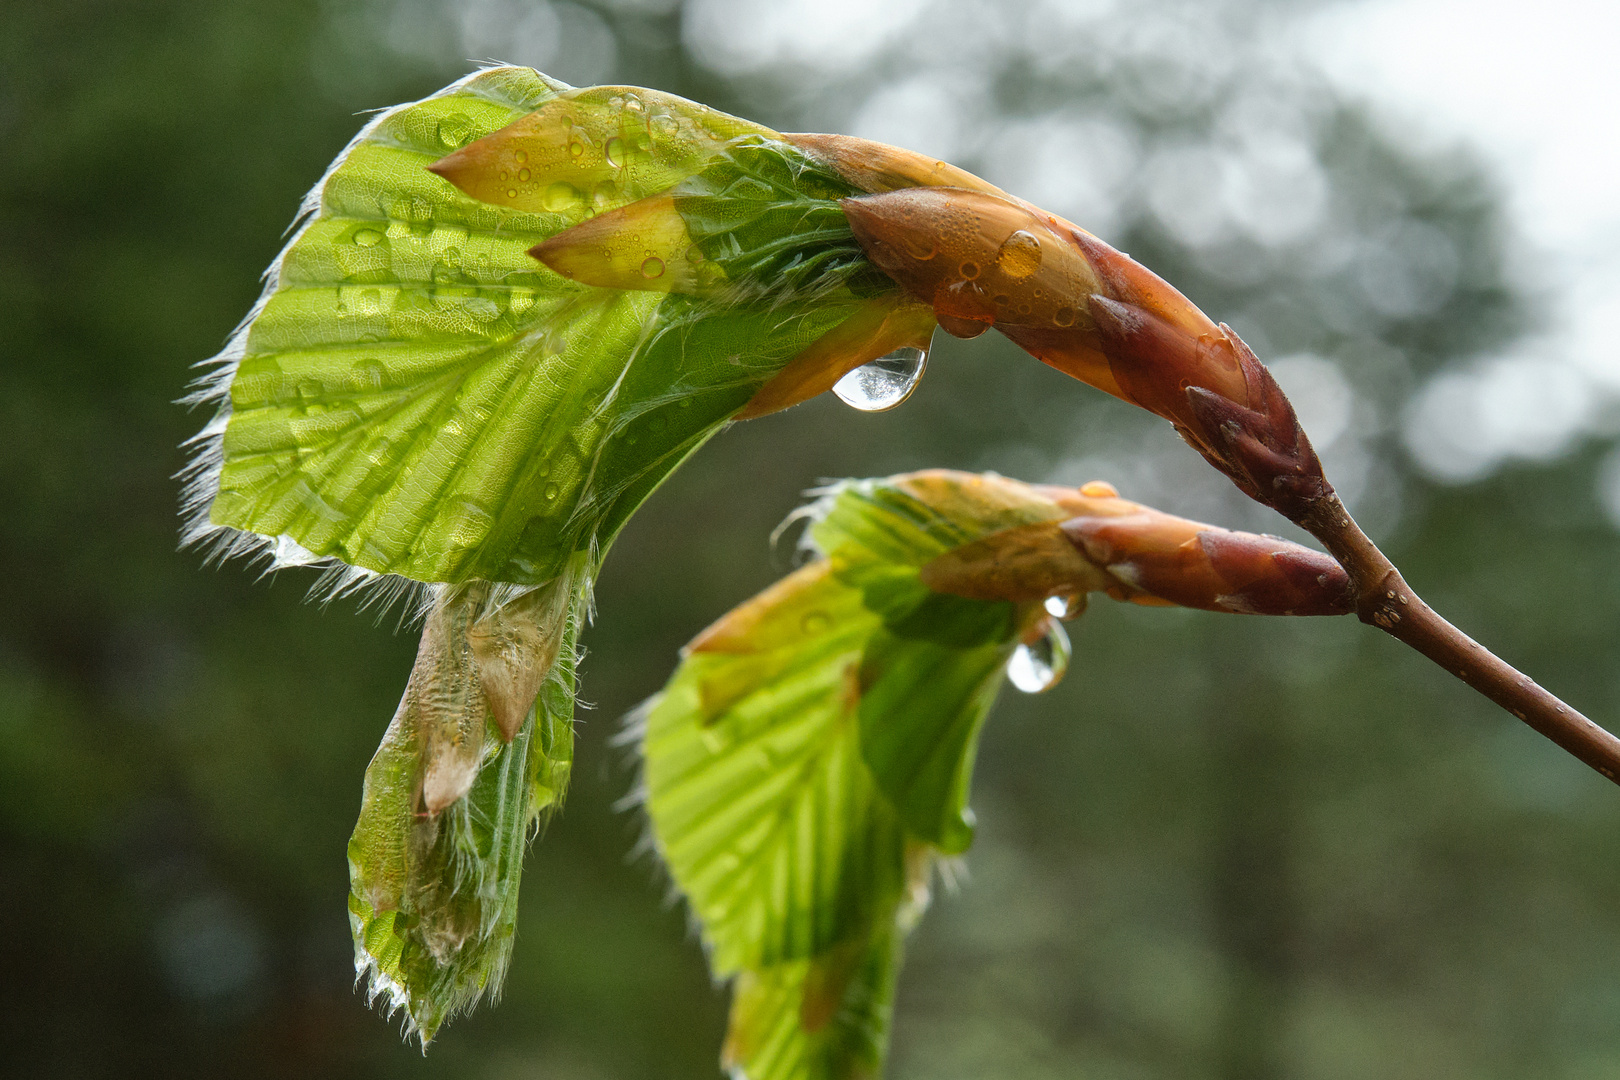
(1382, 598)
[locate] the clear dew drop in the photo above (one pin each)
(453, 131)
(1040, 666)
(815, 622)
(561, 196)
(883, 383)
(652, 267)
(367, 238)
(615, 152)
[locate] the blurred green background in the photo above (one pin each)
(1225, 847)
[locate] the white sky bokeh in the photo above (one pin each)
(1536, 90)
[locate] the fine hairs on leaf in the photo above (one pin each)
(510, 310)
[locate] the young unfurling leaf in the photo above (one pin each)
(452, 796)
(813, 754)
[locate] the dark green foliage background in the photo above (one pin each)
(1225, 847)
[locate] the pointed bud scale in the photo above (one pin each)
(643, 246)
(877, 167)
(591, 149)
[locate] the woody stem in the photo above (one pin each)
(1383, 599)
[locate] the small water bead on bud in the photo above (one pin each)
(1037, 666)
(883, 383)
(1019, 255)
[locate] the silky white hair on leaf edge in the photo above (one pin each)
(200, 475)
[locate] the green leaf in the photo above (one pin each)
(418, 395)
(760, 803)
(814, 751)
(822, 1019)
(434, 877)
(922, 707)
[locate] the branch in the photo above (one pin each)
(1265, 451)
(1382, 598)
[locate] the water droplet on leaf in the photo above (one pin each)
(561, 196)
(1039, 666)
(970, 269)
(615, 152)
(1020, 255)
(815, 622)
(523, 175)
(453, 131)
(652, 267)
(552, 491)
(367, 237)
(1064, 316)
(883, 383)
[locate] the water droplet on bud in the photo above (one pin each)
(1040, 666)
(883, 383)
(1019, 255)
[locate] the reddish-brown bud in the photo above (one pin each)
(980, 258)
(1201, 566)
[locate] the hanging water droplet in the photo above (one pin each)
(1039, 666)
(884, 382)
(1066, 607)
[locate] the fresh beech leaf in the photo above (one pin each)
(922, 706)
(761, 805)
(418, 394)
(814, 751)
(821, 1019)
